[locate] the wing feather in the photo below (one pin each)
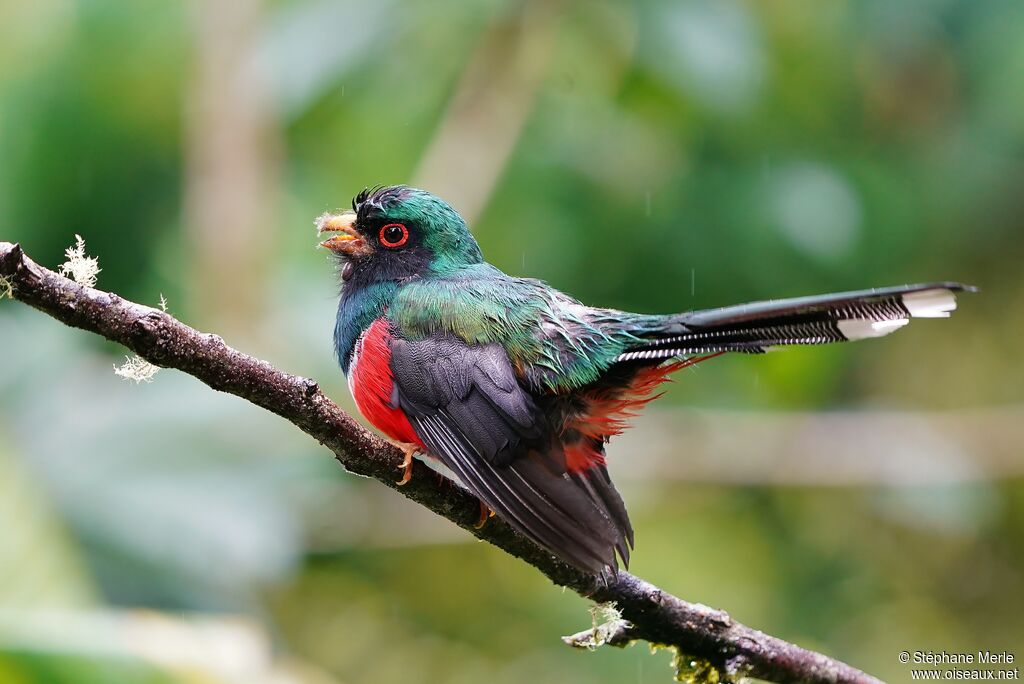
(469, 409)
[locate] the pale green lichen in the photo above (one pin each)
(136, 368)
(606, 625)
(80, 267)
(6, 287)
(696, 670)
(693, 670)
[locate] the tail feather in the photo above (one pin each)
(839, 317)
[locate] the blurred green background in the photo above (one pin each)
(656, 156)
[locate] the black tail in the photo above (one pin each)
(823, 319)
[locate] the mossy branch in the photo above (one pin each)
(703, 634)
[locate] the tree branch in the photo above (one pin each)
(652, 614)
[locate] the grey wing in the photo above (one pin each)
(469, 409)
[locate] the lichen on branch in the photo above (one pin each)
(79, 266)
(136, 368)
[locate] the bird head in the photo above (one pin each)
(397, 232)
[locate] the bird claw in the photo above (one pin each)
(485, 513)
(410, 450)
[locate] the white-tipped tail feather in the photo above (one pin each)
(937, 303)
(757, 327)
(864, 328)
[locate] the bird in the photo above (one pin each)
(516, 387)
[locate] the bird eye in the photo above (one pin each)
(394, 235)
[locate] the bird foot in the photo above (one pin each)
(409, 450)
(485, 513)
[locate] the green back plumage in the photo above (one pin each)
(557, 342)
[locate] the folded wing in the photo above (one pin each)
(466, 404)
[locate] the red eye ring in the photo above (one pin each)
(393, 243)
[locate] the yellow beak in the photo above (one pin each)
(346, 240)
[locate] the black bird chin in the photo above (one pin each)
(382, 266)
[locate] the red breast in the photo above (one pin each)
(371, 383)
